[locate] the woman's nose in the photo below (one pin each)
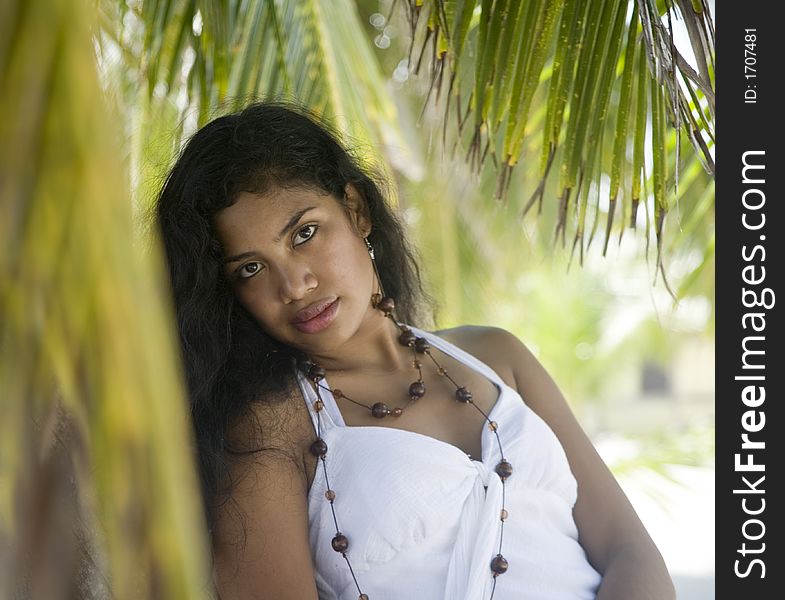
(296, 280)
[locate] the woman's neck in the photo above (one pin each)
(373, 349)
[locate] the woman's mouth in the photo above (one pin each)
(317, 317)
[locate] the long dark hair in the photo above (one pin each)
(229, 361)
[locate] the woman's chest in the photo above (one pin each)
(452, 409)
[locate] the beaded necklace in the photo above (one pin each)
(418, 345)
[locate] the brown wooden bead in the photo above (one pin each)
(337, 393)
(330, 495)
(380, 410)
(417, 364)
(493, 426)
(363, 597)
(417, 389)
(504, 514)
(407, 338)
(504, 469)
(315, 372)
(319, 447)
(441, 371)
(375, 299)
(463, 395)
(421, 345)
(386, 305)
(340, 542)
(499, 564)
(318, 406)
(397, 412)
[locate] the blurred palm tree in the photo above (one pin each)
(96, 474)
(95, 464)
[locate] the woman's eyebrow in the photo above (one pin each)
(231, 259)
(289, 225)
(292, 222)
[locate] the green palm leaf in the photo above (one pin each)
(590, 76)
(86, 338)
(207, 57)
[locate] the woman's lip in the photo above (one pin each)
(312, 310)
(320, 321)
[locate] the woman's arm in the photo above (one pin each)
(261, 547)
(615, 540)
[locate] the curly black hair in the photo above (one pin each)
(229, 361)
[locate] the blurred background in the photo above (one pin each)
(554, 162)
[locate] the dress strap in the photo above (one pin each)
(461, 356)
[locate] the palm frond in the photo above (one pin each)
(85, 333)
(584, 54)
(207, 57)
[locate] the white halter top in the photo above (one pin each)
(422, 517)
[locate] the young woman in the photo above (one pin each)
(344, 452)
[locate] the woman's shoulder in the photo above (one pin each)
(281, 425)
(495, 346)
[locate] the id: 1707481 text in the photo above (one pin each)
(750, 66)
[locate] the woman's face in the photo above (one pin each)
(297, 262)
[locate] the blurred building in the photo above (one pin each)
(649, 395)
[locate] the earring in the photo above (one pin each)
(377, 296)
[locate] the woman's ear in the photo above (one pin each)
(357, 210)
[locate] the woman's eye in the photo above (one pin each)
(249, 270)
(304, 234)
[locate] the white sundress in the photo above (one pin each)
(422, 517)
